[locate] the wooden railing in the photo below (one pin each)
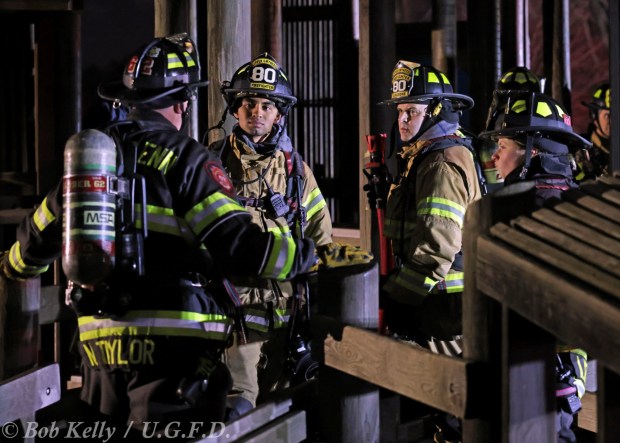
(533, 279)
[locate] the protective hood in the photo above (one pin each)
(278, 138)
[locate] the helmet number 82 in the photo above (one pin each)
(399, 85)
(261, 74)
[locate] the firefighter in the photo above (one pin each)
(511, 82)
(535, 138)
(421, 298)
(425, 209)
(280, 191)
(151, 344)
(595, 162)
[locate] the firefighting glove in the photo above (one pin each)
(5, 270)
(377, 187)
(335, 255)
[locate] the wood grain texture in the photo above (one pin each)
(435, 380)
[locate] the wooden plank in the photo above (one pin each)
(588, 218)
(288, 429)
(436, 380)
(574, 313)
(594, 205)
(586, 419)
(593, 237)
(602, 191)
(562, 261)
(570, 245)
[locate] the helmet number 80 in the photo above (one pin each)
(261, 74)
(399, 86)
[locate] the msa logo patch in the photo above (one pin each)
(99, 218)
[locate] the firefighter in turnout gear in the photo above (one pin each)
(280, 191)
(151, 341)
(424, 216)
(534, 138)
(426, 206)
(595, 161)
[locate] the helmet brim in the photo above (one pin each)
(463, 102)
(594, 106)
(570, 139)
(118, 91)
(240, 93)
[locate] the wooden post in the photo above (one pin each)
(267, 28)
(476, 320)
(482, 317)
(228, 25)
(528, 378)
(608, 404)
(349, 406)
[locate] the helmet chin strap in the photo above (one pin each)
(185, 116)
(529, 144)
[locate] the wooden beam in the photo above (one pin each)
(589, 219)
(573, 312)
(593, 237)
(436, 380)
(562, 261)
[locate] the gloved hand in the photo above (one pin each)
(4, 265)
(377, 187)
(335, 255)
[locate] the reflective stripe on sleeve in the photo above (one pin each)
(17, 263)
(281, 255)
(211, 211)
(443, 208)
(43, 216)
(152, 323)
(314, 203)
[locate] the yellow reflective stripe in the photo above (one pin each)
(443, 208)
(257, 318)
(17, 262)
(204, 333)
(209, 210)
(281, 257)
(314, 203)
(283, 230)
(281, 318)
(172, 315)
(175, 62)
(454, 282)
(177, 323)
(414, 281)
(43, 216)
